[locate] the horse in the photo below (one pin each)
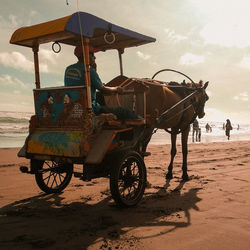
(161, 97)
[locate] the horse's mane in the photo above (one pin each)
(182, 89)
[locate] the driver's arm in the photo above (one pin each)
(110, 90)
(97, 83)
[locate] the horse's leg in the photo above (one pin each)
(145, 141)
(169, 175)
(184, 143)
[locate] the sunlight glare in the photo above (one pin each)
(227, 23)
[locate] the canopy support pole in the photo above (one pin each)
(85, 45)
(120, 52)
(36, 65)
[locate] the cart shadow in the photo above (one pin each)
(43, 221)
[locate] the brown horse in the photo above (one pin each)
(160, 98)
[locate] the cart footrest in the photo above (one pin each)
(145, 154)
(25, 170)
(82, 176)
(78, 175)
(100, 147)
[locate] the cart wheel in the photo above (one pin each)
(51, 176)
(128, 179)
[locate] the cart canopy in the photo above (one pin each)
(103, 35)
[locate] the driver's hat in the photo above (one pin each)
(78, 51)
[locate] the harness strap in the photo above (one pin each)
(181, 130)
(182, 111)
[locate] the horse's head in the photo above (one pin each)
(200, 98)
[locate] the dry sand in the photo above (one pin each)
(211, 211)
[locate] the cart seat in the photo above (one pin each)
(133, 99)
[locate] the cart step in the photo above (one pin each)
(89, 177)
(25, 170)
(145, 154)
(100, 147)
(82, 176)
(76, 174)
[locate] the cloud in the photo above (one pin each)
(10, 22)
(227, 36)
(142, 55)
(241, 97)
(16, 102)
(214, 114)
(9, 81)
(13, 21)
(173, 36)
(226, 25)
(17, 60)
(48, 55)
(190, 58)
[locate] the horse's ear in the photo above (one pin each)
(200, 83)
(205, 85)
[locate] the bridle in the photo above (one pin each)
(198, 108)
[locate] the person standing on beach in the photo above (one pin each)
(208, 128)
(195, 130)
(228, 127)
(199, 135)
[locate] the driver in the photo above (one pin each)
(74, 76)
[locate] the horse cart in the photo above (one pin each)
(65, 133)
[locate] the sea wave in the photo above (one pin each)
(13, 131)
(14, 127)
(14, 123)
(18, 115)
(13, 120)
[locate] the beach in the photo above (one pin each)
(210, 211)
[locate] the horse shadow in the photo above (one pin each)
(44, 221)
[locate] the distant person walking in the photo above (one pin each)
(228, 128)
(208, 128)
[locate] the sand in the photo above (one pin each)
(211, 211)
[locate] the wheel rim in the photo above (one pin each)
(130, 181)
(53, 174)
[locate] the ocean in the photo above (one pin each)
(14, 130)
(216, 135)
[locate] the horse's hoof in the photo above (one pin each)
(185, 177)
(169, 176)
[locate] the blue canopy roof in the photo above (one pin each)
(103, 34)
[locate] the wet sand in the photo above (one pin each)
(211, 211)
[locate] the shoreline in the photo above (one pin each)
(159, 138)
(8, 155)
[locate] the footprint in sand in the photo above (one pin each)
(212, 168)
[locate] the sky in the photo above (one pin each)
(206, 40)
